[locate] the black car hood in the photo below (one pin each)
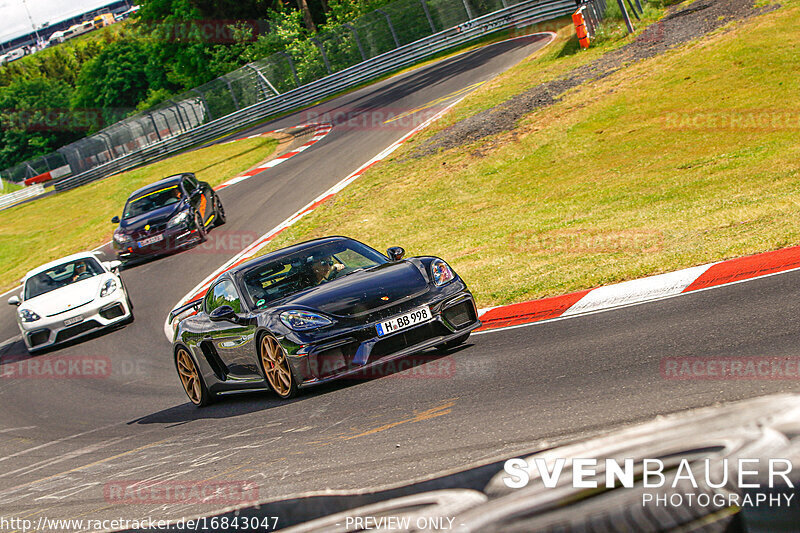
(157, 216)
(365, 291)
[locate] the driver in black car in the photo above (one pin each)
(325, 268)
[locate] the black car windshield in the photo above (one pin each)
(61, 276)
(307, 268)
(151, 201)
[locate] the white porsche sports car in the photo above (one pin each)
(70, 297)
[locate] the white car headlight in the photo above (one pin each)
(179, 219)
(108, 287)
(26, 315)
(303, 320)
(121, 238)
(441, 273)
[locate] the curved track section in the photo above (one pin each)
(77, 446)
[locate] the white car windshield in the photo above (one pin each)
(61, 276)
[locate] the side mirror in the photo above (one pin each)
(113, 266)
(115, 220)
(14, 300)
(395, 253)
(224, 312)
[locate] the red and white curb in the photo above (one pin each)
(199, 290)
(641, 290)
(320, 131)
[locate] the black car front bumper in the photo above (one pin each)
(174, 239)
(350, 352)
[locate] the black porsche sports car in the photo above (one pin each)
(314, 312)
(166, 216)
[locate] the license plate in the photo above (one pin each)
(150, 240)
(407, 320)
(73, 320)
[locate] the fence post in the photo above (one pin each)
(205, 104)
(262, 80)
(428, 15)
(177, 112)
(107, 142)
(189, 119)
(625, 15)
(358, 41)
(164, 118)
(469, 11)
(233, 95)
(635, 14)
(178, 108)
(291, 66)
(389, 21)
(322, 51)
(155, 126)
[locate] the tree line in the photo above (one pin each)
(66, 92)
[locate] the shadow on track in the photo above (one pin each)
(251, 402)
(16, 351)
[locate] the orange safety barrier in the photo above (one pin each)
(580, 28)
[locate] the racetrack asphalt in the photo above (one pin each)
(62, 441)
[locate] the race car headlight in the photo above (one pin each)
(179, 219)
(441, 273)
(108, 287)
(303, 320)
(121, 238)
(26, 315)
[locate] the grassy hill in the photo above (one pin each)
(677, 159)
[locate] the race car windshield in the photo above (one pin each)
(308, 268)
(151, 201)
(61, 276)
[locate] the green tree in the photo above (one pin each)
(115, 81)
(35, 119)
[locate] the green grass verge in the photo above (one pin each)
(78, 219)
(10, 186)
(683, 159)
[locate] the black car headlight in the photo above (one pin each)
(121, 238)
(178, 220)
(441, 273)
(304, 320)
(26, 315)
(108, 287)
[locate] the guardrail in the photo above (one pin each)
(13, 198)
(530, 11)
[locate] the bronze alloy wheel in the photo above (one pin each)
(190, 378)
(276, 367)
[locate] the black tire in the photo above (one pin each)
(219, 212)
(453, 343)
(127, 296)
(201, 229)
(200, 396)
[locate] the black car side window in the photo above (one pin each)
(190, 184)
(223, 293)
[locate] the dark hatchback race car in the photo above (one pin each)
(314, 312)
(166, 216)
